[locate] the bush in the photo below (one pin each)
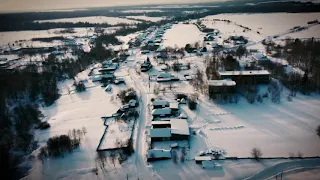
(80, 87)
(256, 153)
(60, 144)
(192, 104)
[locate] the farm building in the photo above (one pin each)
(219, 87)
(246, 77)
(160, 104)
(158, 154)
(174, 129)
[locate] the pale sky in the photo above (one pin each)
(39, 5)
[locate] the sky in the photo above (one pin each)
(41, 5)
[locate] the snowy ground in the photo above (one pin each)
(269, 24)
(13, 36)
(94, 19)
(182, 34)
(147, 18)
(277, 129)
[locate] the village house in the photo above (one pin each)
(246, 77)
(173, 129)
(146, 66)
(163, 112)
(160, 104)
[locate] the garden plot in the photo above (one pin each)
(117, 134)
(94, 19)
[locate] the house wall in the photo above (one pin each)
(179, 137)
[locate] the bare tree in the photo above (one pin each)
(256, 153)
(318, 131)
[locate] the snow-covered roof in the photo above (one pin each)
(163, 111)
(202, 158)
(159, 153)
(260, 57)
(174, 105)
(179, 126)
(160, 122)
(160, 132)
(221, 83)
(236, 73)
(160, 103)
(164, 75)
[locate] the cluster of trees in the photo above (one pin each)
(126, 95)
(58, 145)
(306, 56)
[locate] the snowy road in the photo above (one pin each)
(140, 137)
(271, 172)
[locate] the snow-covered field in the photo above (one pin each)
(13, 36)
(94, 19)
(269, 24)
(147, 18)
(277, 129)
(182, 34)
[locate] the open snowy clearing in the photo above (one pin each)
(13, 36)
(269, 24)
(147, 18)
(182, 34)
(94, 19)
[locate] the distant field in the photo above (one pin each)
(94, 19)
(269, 24)
(146, 18)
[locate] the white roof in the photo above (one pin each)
(202, 158)
(160, 132)
(163, 111)
(179, 126)
(252, 72)
(224, 82)
(159, 153)
(160, 103)
(160, 122)
(174, 105)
